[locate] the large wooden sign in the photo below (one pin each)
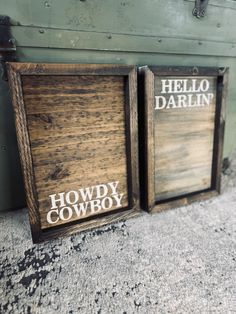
(77, 135)
(184, 125)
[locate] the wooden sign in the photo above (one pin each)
(184, 111)
(77, 134)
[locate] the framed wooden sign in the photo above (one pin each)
(184, 110)
(77, 134)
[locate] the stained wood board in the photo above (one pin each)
(184, 111)
(77, 129)
(183, 140)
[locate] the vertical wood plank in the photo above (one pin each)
(149, 131)
(221, 104)
(24, 150)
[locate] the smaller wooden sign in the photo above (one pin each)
(184, 110)
(77, 134)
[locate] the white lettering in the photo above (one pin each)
(171, 102)
(61, 200)
(113, 186)
(160, 102)
(194, 87)
(87, 193)
(208, 98)
(178, 86)
(166, 86)
(102, 190)
(49, 216)
(66, 204)
(106, 200)
(75, 196)
(62, 214)
(182, 101)
(95, 206)
(204, 85)
(82, 209)
(118, 199)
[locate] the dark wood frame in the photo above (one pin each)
(147, 155)
(15, 71)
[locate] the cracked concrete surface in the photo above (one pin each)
(179, 261)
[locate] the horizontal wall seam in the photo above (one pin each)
(36, 37)
(217, 3)
(44, 29)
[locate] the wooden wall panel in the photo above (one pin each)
(184, 110)
(183, 145)
(80, 133)
(78, 119)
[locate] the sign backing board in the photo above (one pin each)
(77, 134)
(184, 111)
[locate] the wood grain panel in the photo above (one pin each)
(183, 145)
(68, 171)
(76, 151)
(78, 142)
(77, 134)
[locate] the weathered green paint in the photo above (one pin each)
(161, 32)
(67, 39)
(169, 18)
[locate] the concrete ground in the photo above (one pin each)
(179, 261)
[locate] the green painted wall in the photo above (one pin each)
(161, 32)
